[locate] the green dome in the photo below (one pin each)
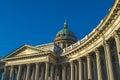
(65, 34)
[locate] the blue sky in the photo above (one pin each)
(36, 22)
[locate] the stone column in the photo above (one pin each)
(33, 73)
(24, 71)
(64, 72)
(15, 73)
(19, 72)
(0, 74)
(76, 71)
(94, 68)
(72, 70)
(5, 73)
(42, 77)
(11, 72)
(37, 71)
(28, 72)
(89, 68)
(80, 69)
(56, 71)
(98, 62)
(46, 71)
(117, 41)
(68, 71)
(85, 70)
(108, 61)
(52, 72)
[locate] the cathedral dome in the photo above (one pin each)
(65, 36)
(65, 32)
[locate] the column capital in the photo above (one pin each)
(97, 51)
(79, 60)
(63, 64)
(52, 64)
(12, 66)
(117, 32)
(88, 56)
(106, 43)
(20, 65)
(46, 62)
(37, 63)
(28, 64)
(72, 62)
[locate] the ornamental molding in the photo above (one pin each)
(27, 61)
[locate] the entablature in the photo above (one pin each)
(38, 57)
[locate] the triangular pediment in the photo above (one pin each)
(27, 51)
(24, 51)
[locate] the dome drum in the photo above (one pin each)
(65, 38)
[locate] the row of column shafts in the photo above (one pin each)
(80, 69)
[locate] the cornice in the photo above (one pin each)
(40, 54)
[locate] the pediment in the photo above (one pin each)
(27, 51)
(24, 51)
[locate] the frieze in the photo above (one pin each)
(26, 61)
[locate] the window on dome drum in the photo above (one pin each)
(58, 43)
(59, 35)
(63, 34)
(68, 34)
(63, 45)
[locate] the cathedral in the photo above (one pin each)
(95, 57)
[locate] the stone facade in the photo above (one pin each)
(95, 57)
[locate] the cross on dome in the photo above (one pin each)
(65, 23)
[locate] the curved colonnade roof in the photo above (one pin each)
(100, 29)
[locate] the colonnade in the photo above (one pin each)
(103, 63)
(37, 71)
